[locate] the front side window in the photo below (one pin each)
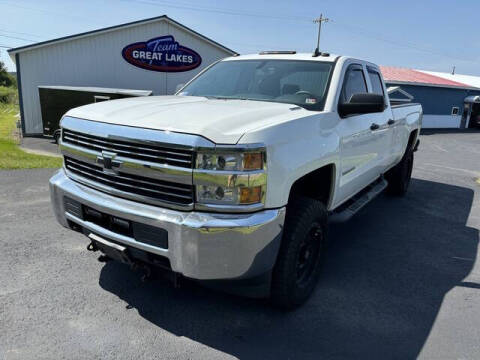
(354, 83)
(303, 83)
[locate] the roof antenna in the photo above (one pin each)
(319, 21)
(453, 71)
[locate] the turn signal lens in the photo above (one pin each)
(253, 161)
(250, 195)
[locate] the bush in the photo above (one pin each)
(6, 79)
(8, 95)
(12, 81)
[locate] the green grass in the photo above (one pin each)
(11, 156)
(7, 94)
(4, 90)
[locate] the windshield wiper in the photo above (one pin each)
(224, 97)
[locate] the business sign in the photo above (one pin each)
(161, 54)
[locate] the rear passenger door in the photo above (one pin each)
(362, 143)
(384, 133)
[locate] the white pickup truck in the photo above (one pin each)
(232, 181)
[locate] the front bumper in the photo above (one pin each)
(203, 246)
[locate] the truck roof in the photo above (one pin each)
(284, 56)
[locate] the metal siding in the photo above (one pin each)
(441, 121)
(437, 100)
(97, 61)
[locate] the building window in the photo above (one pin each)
(455, 110)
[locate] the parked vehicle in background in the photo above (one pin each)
(233, 180)
(476, 121)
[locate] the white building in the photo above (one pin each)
(154, 54)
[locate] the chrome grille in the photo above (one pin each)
(151, 153)
(138, 186)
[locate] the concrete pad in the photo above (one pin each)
(40, 146)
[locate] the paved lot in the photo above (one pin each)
(402, 281)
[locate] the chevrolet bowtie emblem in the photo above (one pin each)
(107, 160)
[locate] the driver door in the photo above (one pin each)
(361, 142)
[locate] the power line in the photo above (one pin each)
(189, 6)
(298, 18)
(20, 33)
(17, 38)
(62, 13)
(364, 32)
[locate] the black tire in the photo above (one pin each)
(56, 136)
(399, 176)
(301, 254)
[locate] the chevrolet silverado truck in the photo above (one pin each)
(233, 179)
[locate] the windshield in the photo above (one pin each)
(303, 83)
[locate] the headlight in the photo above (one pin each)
(230, 162)
(216, 194)
(213, 194)
(231, 179)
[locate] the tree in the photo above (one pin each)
(5, 78)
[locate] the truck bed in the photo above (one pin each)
(411, 112)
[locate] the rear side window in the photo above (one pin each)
(376, 81)
(354, 83)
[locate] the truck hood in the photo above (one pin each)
(221, 121)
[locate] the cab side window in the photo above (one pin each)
(376, 82)
(353, 83)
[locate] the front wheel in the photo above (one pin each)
(56, 136)
(298, 265)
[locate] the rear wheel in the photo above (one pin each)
(301, 254)
(399, 176)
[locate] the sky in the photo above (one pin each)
(429, 35)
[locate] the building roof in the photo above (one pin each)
(466, 79)
(14, 51)
(398, 75)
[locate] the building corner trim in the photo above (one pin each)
(20, 95)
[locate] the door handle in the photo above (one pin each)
(391, 122)
(374, 126)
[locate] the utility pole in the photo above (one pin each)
(319, 21)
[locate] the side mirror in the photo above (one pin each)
(362, 103)
(179, 86)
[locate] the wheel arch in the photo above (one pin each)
(318, 184)
(412, 139)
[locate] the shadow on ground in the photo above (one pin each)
(387, 273)
(429, 131)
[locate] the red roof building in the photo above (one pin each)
(414, 77)
(448, 100)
